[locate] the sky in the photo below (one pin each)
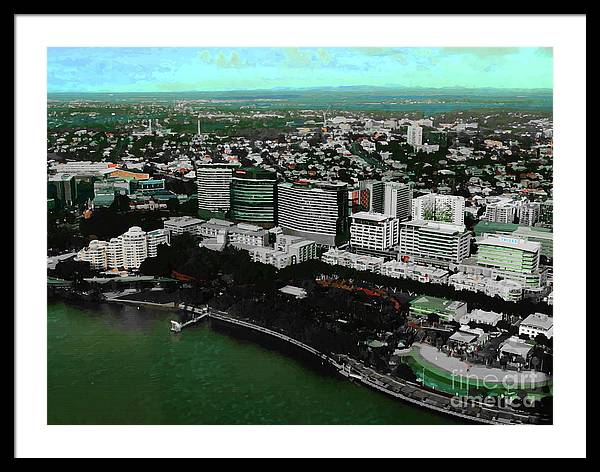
(211, 69)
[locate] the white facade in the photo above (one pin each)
(154, 239)
(214, 186)
(408, 270)
(443, 208)
(529, 214)
(354, 261)
(95, 254)
(316, 211)
(127, 251)
(288, 250)
(247, 234)
(374, 231)
(414, 135)
(501, 210)
(537, 323)
(182, 224)
(135, 247)
(434, 242)
(508, 290)
(481, 316)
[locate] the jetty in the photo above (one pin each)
(197, 315)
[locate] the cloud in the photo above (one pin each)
(324, 57)
(295, 57)
(481, 52)
(232, 61)
(205, 56)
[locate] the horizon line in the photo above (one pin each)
(310, 88)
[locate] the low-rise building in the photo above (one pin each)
(354, 261)
(409, 270)
(288, 250)
(447, 310)
(537, 323)
(508, 290)
(212, 227)
(183, 224)
(517, 350)
(481, 317)
(247, 234)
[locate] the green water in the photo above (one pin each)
(110, 364)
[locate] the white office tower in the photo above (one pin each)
(135, 248)
(529, 214)
(414, 135)
(156, 237)
(501, 210)
(433, 242)
(397, 200)
(314, 210)
(95, 254)
(374, 231)
(376, 191)
(214, 185)
(442, 208)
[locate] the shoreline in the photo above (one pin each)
(352, 370)
(404, 390)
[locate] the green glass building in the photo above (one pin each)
(253, 196)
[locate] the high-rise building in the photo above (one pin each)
(512, 258)
(135, 247)
(433, 242)
(155, 238)
(63, 187)
(127, 251)
(501, 210)
(253, 193)
(397, 200)
(115, 253)
(95, 254)
(529, 213)
(374, 231)
(214, 185)
(546, 211)
(442, 208)
(414, 135)
(376, 193)
(314, 210)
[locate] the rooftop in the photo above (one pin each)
(508, 242)
(435, 304)
(538, 320)
(447, 228)
(366, 215)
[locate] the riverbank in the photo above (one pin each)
(417, 394)
(476, 411)
(111, 363)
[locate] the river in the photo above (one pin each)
(113, 364)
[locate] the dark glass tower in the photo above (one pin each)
(253, 193)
